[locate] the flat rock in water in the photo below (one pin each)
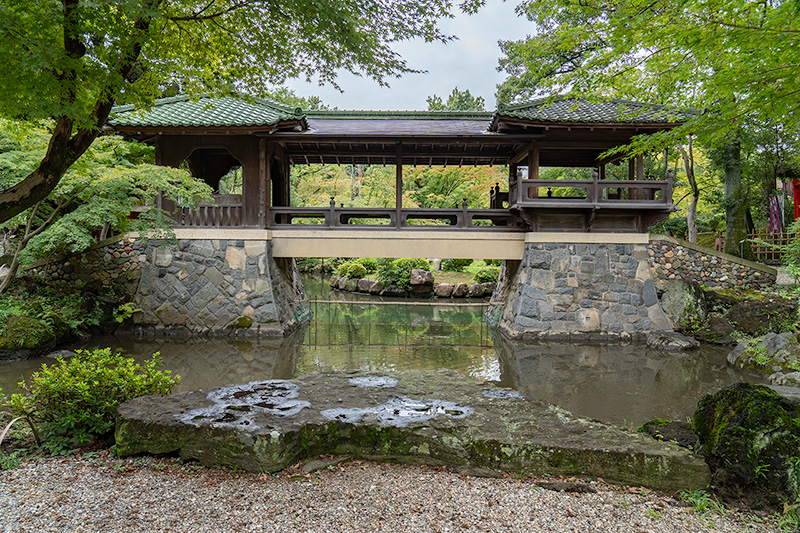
(437, 418)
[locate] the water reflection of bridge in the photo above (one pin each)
(266, 140)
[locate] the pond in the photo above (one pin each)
(624, 384)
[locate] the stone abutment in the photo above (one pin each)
(578, 290)
(219, 286)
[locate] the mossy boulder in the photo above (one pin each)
(243, 322)
(25, 337)
(684, 303)
(774, 352)
(750, 437)
(677, 431)
(757, 317)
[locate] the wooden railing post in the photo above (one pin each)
(668, 193)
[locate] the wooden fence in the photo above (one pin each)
(763, 243)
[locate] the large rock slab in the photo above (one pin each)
(435, 418)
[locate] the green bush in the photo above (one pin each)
(60, 308)
(488, 274)
(351, 270)
(455, 265)
(370, 263)
(398, 272)
(77, 398)
(321, 264)
(492, 262)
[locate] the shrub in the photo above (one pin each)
(398, 272)
(492, 262)
(351, 270)
(488, 274)
(77, 398)
(320, 264)
(455, 265)
(370, 263)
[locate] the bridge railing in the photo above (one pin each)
(595, 193)
(392, 218)
(224, 212)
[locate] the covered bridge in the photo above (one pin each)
(266, 139)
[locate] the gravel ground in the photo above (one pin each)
(97, 492)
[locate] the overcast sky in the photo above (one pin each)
(470, 63)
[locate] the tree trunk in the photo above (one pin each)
(736, 236)
(691, 215)
(65, 147)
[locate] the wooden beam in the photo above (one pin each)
(521, 155)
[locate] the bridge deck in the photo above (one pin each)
(404, 243)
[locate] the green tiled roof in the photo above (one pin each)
(183, 111)
(573, 110)
(400, 115)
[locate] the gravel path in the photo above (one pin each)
(96, 492)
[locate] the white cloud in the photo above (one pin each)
(469, 63)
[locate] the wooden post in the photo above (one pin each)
(398, 183)
(639, 175)
(631, 176)
(513, 186)
(262, 182)
(533, 170)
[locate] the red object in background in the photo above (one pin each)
(796, 197)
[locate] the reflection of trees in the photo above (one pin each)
(362, 323)
(613, 382)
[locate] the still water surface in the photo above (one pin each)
(624, 384)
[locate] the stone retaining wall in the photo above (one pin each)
(588, 291)
(673, 258)
(111, 261)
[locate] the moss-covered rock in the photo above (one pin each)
(684, 303)
(717, 330)
(774, 352)
(759, 317)
(750, 437)
(243, 322)
(25, 337)
(677, 431)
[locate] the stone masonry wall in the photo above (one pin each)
(102, 266)
(219, 287)
(673, 259)
(195, 287)
(586, 291)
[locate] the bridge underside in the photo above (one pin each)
(404, 243)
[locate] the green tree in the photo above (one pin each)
(287, 96)
(736, 62)
(99, 191)
(69, 61)
(457, 101)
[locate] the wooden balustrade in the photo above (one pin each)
(387, 218)
(225, 212)
(595, 193)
